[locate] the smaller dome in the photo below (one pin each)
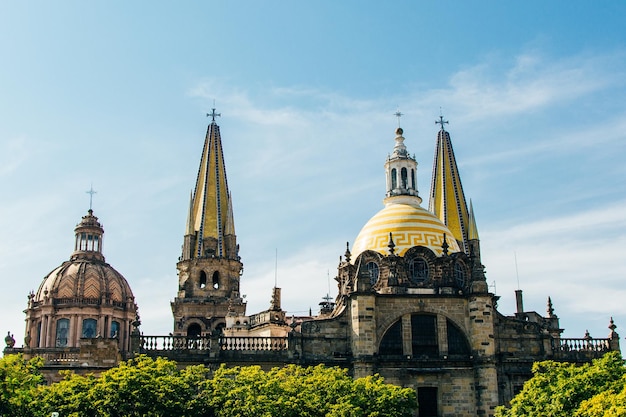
(409, 224)
(86, 278)
(85, 282)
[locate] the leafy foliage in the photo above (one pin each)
(139, 387)
(19, 380)
(294, 391)
(561, 389)
(154, 388)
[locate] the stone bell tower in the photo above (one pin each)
(209, 268)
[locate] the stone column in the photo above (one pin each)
(482, 341)
(363, 325)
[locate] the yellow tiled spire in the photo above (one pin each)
(472, 233)
(210, 212)
(447, 200)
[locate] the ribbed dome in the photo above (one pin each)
(86, 278)
(409, 224)
(85, 282)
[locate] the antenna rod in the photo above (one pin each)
(516, 271)
(328, 279)
(276, 269)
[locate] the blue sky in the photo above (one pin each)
(115, 94)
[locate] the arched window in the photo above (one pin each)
(90, 327)
(37, 340)
(194, 330)
(413, 179)
(457, 343)
(202, 281)
(403, 174)
(115, 330)
(216, 280)
(418, 270)
(424, 331)
(391, 343)
(459, 274)
(394, 179)
(373, 271)
(63, 328)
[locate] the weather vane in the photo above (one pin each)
(91, 192)
(398, 115)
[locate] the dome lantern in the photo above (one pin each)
(88, 243)
(401, 171)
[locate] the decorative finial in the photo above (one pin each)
(391, 245)
(91, 192)
(347, 255)
(398, 115)
(441, 122)
(444, 245)
(213, 115)
(612, 325)
(550, 309)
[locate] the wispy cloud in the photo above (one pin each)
(13, 154)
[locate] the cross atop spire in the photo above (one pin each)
(398, 115)
(213, 114)
(91, 192)
(441, 122)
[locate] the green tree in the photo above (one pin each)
(19, 379)
(70, 397)
(138, 387)
(610, 403)
(155, 388)
(562, 389)
(294, 391)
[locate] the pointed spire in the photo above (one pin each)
(210, 212)
(229, 229)
(447, 200)
(472, 232)
(189, 227)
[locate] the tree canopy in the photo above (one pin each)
(19, 379)
(597, 389)
(157, 387)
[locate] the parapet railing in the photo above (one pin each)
(205, 343)
(165, 343)
(51, 356)
(582, 345)
(254, 343)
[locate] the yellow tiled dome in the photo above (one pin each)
(409, 224)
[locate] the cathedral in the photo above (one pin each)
(412, 301)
